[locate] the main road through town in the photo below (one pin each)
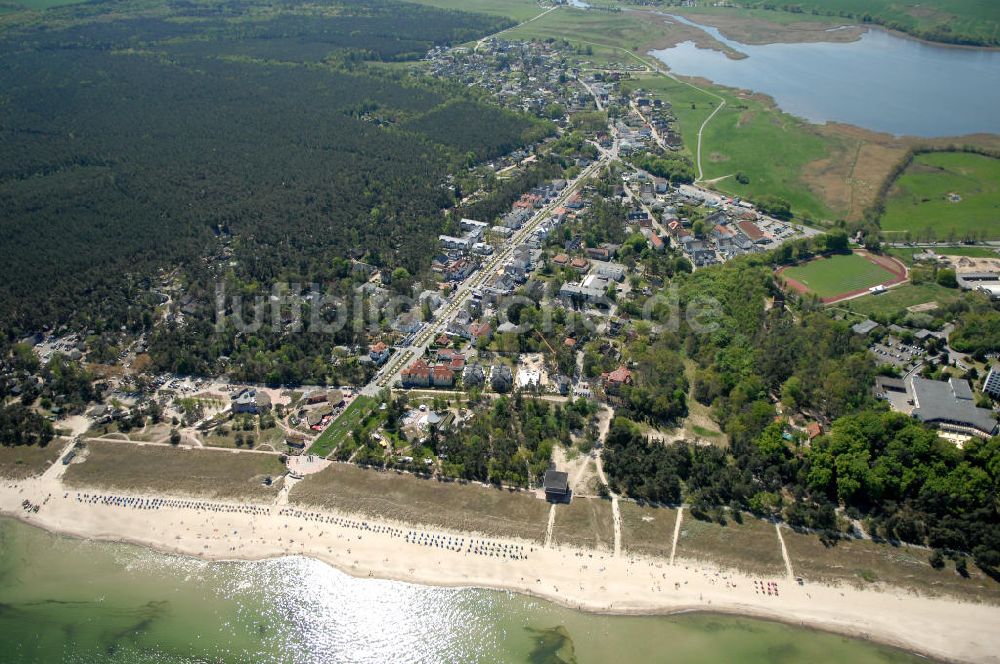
(387, 376)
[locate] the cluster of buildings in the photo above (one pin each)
(521, 75)
(449, 368)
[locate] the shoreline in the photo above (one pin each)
(591, 581)
(861, 28)
(543, 596)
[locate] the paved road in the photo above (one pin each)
(447, 312)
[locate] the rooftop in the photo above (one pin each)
(940, 402)
(556, 481)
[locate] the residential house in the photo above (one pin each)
(479, 331)
(379, 353)
(418, 374)
(501, 378)
(442, 376)
(473, 376)
(615, 379)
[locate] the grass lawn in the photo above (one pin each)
(751, 546)
(23, 461)
(899, 298)
(133, 468)
(274, 437)
(585, 523)
(647, 530)
(342, 427)
(406, 498)
(841, 273)
(860, 563)
(920, 199)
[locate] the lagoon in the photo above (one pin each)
(881, 82)
(67, 600)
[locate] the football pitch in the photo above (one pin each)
(839, 275)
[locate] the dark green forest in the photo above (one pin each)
(235, 141)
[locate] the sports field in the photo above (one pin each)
(839, 275)
(946, 196)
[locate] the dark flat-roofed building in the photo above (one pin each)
(885, 384)
(949, 405)
(992, 385)
(864, 327)
(556, 485)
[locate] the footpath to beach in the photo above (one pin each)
(588, 580)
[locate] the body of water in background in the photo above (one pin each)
(881, 82)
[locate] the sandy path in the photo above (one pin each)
(677, 533)
(605, 415)
(784, 553)
(551, 526)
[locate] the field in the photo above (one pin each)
(946, 195)
(905, 254)
(977, 20)
(342, 427)
(751, 546)
(733, 142)
(406, 498)
(901, 297)
(584, 523)
(39, 5)
(138, 469)
(647, 530)
(23, 461)
(838, 275)
(860, 562)
(519, 10)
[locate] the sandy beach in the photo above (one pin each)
(588, 580)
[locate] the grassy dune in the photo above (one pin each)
(22, 461)
(160, 469)
(751, 546)
(647, 530)
(390, 495)
(585, 522)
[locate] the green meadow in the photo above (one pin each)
(37, 5)
(747, 136)
(622, 30)
(519, 10)
(954, 194)
(899, 298)
(971, 19)
(905, 254)
(842, 273)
